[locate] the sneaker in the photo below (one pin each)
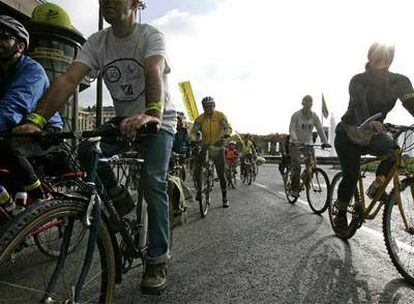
(226, 203)
(341, 222)
(154, 279)
(121, 199)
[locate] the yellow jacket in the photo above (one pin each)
(212, 128)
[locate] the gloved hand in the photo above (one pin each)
(326, 146)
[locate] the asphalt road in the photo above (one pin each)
(264, 250)
(260, 250)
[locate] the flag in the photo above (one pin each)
(325, 111)
(189, 100)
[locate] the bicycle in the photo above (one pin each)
(313, 180)
(177, 165)
(247, 171)
(105, 257)
(231, 175)
(398, 215)
(54, 181)
(204, 177)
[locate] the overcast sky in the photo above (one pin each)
(259, 58)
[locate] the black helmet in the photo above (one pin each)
(208, 100)
(16, 28)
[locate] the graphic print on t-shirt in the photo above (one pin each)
(124, 79)
(307, 126)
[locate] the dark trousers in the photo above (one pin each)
(15, 155)
(350, 153)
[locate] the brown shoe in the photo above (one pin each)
(154, 279)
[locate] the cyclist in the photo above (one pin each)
(231, 155)
(214, 128)
(132, 60)
(181, 140)
(374, 91)
(22, 82)
(248, 152)
(301, 126)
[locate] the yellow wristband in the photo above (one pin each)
(154, 106)
(37, 119)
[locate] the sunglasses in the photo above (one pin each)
(6, 35)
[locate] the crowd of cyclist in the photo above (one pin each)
(28, 103)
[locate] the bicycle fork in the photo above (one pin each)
(94, 212)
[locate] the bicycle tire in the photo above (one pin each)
(256, 171)
(287, 178)
(202, 192)
(333, 210)
(62, 185)
(14, 247)
(318, 174)
(249, 176)
(393, 239)
(233, 178)
(229, 178)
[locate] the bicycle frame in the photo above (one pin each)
(93, 219)
(310, 163)
(366, 211)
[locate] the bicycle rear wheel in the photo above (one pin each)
(353, 210)
(399, 233)
(287, 181)
(25, 273)
(317, 191)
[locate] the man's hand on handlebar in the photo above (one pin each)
(27, 127)
(131, 125)
(326, 146)
(378, 127)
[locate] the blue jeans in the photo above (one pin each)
(157, 153)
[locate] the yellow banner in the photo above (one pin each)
(189, 100)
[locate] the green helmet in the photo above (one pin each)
(51, 13)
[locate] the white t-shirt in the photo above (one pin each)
(120, 61)
(301, 128)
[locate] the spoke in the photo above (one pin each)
(22, 287)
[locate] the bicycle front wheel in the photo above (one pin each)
(287, 181)
(317, 191)
(398, 228)
(48, 236)
(353, 210)
(203, 191)
(25, 273)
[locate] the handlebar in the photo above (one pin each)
(312, 146)
(397, 130)
(112, 130)
(44, 135)
(369, 120)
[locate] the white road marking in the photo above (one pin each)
(366, 229)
